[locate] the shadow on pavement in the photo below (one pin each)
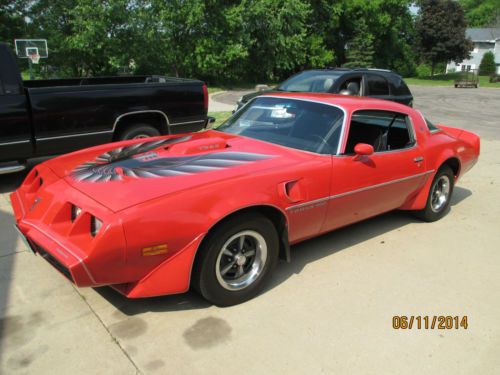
(459, 194)
(8, 241)
(178, 302)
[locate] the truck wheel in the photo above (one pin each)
(138, 131)
(439, 197)
(236, 260)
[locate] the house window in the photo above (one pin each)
(463, 68)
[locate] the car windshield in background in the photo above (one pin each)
(295, 123)
(310, 81)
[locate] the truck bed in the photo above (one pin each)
(113, 80)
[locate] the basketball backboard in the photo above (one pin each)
(28, 47)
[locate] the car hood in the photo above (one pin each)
(124, 174)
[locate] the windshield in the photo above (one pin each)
(294, 123)
(310, 81)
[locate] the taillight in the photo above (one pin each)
(205, 97)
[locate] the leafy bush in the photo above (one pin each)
(494, 78)
(423, 71)
(487, 66)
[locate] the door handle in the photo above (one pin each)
(418, 159)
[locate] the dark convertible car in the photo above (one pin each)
(376, 83)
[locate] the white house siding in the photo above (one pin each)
(484, 40)
(497, 55)
(480, 48)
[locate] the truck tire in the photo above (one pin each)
(138, 131)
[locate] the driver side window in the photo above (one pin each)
(384, 130)
(351, 86)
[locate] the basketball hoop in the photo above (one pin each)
(34, 58)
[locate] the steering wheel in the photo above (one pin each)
(323, 142)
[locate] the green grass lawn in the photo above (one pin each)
(447, 80)
(220, 117)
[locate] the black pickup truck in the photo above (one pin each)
(48, 117)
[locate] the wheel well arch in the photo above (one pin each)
(155, 118)
(454, 164)
(277, 217)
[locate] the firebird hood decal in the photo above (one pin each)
(141, 161)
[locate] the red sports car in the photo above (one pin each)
(215, 210)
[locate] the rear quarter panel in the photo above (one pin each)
(439, 147)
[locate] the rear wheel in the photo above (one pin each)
(439, 197)
(236, 260)
(138, 131)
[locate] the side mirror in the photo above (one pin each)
(210, 122)
(363, 149)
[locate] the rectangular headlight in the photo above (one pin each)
(95, 226)
(75, 212)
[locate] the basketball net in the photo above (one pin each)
(34, 58)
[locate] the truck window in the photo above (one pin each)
(377, 85)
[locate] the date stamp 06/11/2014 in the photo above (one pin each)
(429, 322)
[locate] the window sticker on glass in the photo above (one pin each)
(281, 113)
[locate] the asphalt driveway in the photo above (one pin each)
(328, 311)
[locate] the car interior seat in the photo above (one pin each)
(353, 88)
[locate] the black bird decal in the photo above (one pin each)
(141, 161)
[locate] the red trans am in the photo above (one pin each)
(215, 210)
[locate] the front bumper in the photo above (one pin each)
(42, 209)
(43, 218)
(68, 262)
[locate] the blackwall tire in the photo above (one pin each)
(438, 200)
(236, 260)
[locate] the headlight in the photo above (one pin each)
(75, 212)
(95, 226)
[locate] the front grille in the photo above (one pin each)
(53, 261)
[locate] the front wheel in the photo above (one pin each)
(236, 260)
(439, 196)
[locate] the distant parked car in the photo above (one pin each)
(375, 83)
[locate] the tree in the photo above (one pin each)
(360, 49)
(11, 20)
(389, 22)
(488, 65)
(440, 30)
(482, 13)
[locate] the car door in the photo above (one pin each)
(15, 127)
(364, 186)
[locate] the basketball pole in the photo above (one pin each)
(31, 70)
